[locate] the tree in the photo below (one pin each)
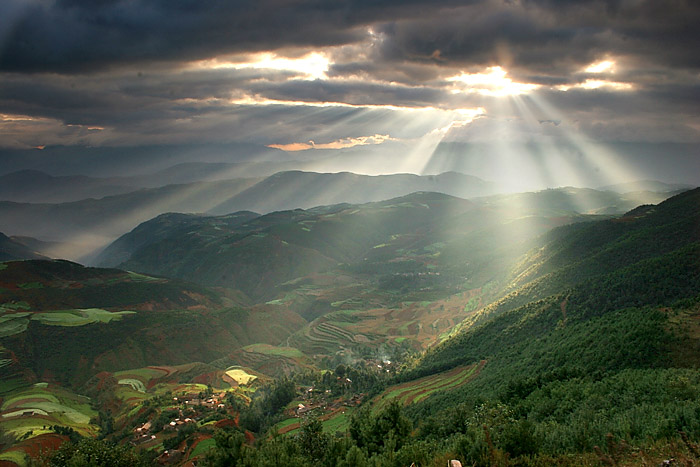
(95, 453)
(314, 442)
(229, 450)
(374, 432)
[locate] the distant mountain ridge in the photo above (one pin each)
(254, 254)
(33, 186)
(646, 185)
(91, 224)
(11, 249)
(96, 222)
(158, 229)
(297, 189)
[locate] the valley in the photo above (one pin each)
(428, 313)
(349, 233)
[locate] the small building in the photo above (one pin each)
(170, 456)
(145, 428)
(303, 409)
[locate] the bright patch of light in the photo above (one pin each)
(463, 118)
(260, 100)
(494, 82)
(599, 67)
(342, 143)
(313, 65)
(17, 118)
(596, 84)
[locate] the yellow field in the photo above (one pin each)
(240, 376)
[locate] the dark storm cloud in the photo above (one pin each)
(126, 65)
(75, 35)
(550, 39)
(543, 36)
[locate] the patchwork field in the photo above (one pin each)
(265, 359)
(417, 390)
(333, 421)
(240, 376)
(14, 322)
(29, 413)
(424, 322)
(124, 392)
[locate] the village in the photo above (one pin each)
(191, 411)
(192, 416)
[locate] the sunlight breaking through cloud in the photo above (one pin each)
(600, 67)
(312, 65)
(253, 100)
(493, 82)
(596, 84)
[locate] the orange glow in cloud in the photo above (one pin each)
(342, 143)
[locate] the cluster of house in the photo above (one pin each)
(215, 401)
(176, 424)
(142, 434)
(302, 410)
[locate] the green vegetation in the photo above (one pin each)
(135, 384)
(78, 317)
(417, 390)
(18, 457)
(203, 447)
(579, 346)
(266, 349)
(33, 411)
(96, 453)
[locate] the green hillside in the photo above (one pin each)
(590, 359)
(11, 249)
(162, 227)
(516, 330)
(605, 342)
(403, 236)
(63, 322)
(58, 284)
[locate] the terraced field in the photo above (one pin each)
(424, 322)
(328, 334)
(417, 390)
(334, 421)
(267, 359)
(16, 322)
(30, 412)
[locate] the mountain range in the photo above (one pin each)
(530, 314)
(87, 226)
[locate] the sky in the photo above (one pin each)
(374, 80)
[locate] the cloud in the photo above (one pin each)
(343, 143)
(76, 36)
(265, 71)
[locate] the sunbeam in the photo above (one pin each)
(605, 163)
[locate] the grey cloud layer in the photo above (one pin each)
(119, 64)
(83, 35)
(79, 35)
